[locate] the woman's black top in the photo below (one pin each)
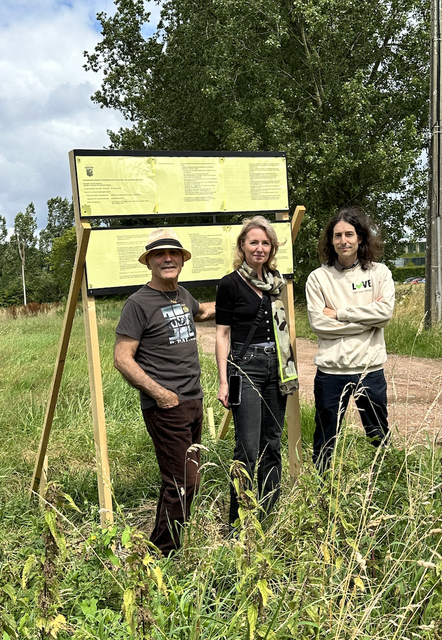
(237, 306)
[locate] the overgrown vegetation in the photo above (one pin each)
(405, 334)
(356, 556)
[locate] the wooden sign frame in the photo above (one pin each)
(78, 282)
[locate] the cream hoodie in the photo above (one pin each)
(353, 343)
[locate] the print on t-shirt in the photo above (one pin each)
(179, 324)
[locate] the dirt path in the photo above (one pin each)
(414, 387)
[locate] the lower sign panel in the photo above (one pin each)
(112, 258)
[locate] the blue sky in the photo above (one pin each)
(45, 106)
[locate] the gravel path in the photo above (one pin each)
(414, 387)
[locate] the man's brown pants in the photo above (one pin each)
(173, 432)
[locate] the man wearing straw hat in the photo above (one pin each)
(156, 352)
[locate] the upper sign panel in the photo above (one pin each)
(111, 184)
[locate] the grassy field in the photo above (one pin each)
(358, 555)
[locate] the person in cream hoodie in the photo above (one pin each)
(350, 299)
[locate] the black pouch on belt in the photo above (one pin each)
(235, 389)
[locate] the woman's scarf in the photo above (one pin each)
(273, 284)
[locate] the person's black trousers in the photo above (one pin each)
(332, 395)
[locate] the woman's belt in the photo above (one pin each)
(256, 348)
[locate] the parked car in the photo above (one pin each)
(408, 280)
(418, 281)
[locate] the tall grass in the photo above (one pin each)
(405, 334)
(355, 555)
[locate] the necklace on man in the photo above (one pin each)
(174, 299)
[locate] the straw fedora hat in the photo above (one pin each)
(163, 239)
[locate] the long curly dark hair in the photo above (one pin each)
(371, 246)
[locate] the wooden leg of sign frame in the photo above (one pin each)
(43, 484)
(71, 305)
(211, 422)
(224, 426)
(294, 436)
(293, 409)
(96, 387)
(296, 221)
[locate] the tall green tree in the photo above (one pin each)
(25, 226)
(3, 238)
(62, 259)
(3, 231)
(60, 219)
(341, 86)
(3, 244)
(39, 274)
(10, 281)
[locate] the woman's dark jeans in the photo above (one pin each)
(259, 421)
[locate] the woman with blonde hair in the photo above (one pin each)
(255, 359)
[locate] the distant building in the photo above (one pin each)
(420, 246)
(417, 250)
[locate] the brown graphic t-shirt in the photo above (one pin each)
(166, 332)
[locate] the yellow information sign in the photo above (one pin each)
(133, 185)
(112, 257)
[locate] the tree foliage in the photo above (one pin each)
(3, 242)
(60, 219)
(47, 269)
(340, 85)
(62, 258)
(3, 231)
(25, 226)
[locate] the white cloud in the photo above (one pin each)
(45, 106)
